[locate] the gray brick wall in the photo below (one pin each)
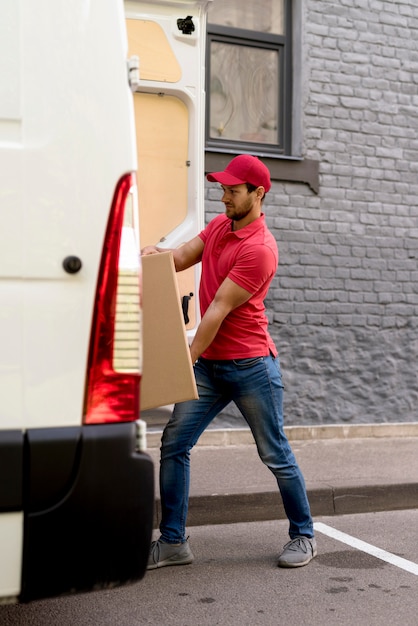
(344, 304)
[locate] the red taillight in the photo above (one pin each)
(112, 389)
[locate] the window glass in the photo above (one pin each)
(264, 16)
(244, 93)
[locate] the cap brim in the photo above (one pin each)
(224, 178)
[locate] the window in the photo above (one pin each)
(249, 77)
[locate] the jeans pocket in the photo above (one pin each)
(247, 363)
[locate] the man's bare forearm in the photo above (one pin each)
(207, 330)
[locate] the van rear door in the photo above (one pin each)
(76, 494)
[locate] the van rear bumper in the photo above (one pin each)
(88, 502)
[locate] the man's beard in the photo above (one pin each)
(244, 211)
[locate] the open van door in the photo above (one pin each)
(169, 39)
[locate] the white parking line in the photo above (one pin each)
(408, 566)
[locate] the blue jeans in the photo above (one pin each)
(255, 385)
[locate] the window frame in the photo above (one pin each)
(260, 40)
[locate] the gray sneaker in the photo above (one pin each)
(298, 552)
(162, 554)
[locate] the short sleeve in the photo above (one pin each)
(254, 267)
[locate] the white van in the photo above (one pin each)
(76, 493)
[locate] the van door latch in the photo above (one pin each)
(133, 72)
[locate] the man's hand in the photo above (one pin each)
(184, 256)
(151, 250)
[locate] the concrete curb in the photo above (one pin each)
(256, 507)
(260, 507)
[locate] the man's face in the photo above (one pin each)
(238, 201)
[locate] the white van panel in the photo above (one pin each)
(11, 380)
(67, 140)
(10, 62)
(55, 126)
(64, 129)
(11, 538)
(56, 334)
(11, 181)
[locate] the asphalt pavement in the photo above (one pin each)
(347, 469)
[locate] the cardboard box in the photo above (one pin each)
(167, 368)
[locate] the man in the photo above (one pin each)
(234, 360)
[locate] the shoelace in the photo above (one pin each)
(155, 551)
(298, 543)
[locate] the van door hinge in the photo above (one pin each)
(133, 72)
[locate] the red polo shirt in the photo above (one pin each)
(249, 257)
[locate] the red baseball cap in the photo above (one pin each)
(244, 168)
